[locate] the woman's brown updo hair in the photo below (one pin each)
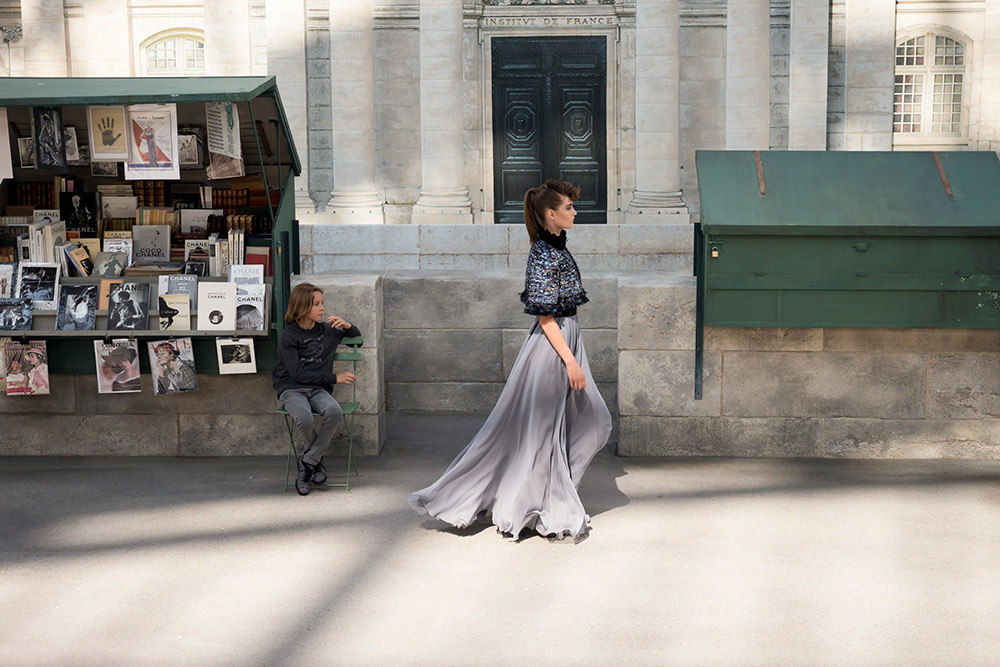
(547, 197)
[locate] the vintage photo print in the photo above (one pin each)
(102, 168)
(38, 281)
(6, 159)
(83, 158)
(223, 166)
(107, 132)
(77, 308)
(6, 281)
(171, 363)
(128, 306)
(80, 212)
(152, 142)
(26, 151)
(72, 148)
(117, 366)
(236, 355)
(15, 314)
(50, 145)
(27, 370)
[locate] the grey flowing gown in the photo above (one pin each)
(525, 464)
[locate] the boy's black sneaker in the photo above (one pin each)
(319, 473)
(304, 477)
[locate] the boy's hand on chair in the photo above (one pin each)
(346, 378)
(338, 322)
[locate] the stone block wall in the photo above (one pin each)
(865, 393)
(327, 247)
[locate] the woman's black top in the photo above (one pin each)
(552, 284)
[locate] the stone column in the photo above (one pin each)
(870, 64)
(657, 196)
(748, 74)
(12, 49)
(44, 38)
(444, 195)
(807, 74)
(988, 131)
(227, 38)
(354, 199)
(286, 60)
(107, 57)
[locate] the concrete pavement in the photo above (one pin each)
(186, 561)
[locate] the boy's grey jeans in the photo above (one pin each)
(301, 404)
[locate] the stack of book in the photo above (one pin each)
(151, 193)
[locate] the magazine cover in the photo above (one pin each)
(250, 307)
(152, 142)
(246, 274)
(15, 314)
(119, 246)
(128, 306)
(77, 308)
(104, 295)
(6, 281)
(117, 366)
(179, 283)
(106, 128)
(236, 355)
(171, 363)
(27, 368)
(79, 258)
(38, 281)
(174, 312)
(217, 306)
(50, 145)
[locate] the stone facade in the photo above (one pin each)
(390, 102)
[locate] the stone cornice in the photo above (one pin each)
(396, 17)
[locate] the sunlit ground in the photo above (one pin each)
(689, 562)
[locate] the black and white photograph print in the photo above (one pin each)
(128, 306)
(38, 281)
(47, 131)
(26, 151)
(102, 168)
(235, 355)
(72, 147)
(15, 314)
(80, 212)
(77, 308)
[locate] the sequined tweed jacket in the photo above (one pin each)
(552, 284)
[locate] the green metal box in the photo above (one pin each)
(849, 239)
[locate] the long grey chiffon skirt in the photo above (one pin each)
(525, 464)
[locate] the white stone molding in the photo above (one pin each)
(227, 38)
(869, 69)
(44, 39)
(444, 194)
(657, 196)
(808, 67)
(748, 74)
(354, 198)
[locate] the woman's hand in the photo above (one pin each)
(338, 322)
(577, 380)
(346, 378)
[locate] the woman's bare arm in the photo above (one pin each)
(577, 380)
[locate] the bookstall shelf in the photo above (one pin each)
(268, 151)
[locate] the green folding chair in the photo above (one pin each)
(348, 408)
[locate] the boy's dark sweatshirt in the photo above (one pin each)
(305, 356)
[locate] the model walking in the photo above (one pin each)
(525, 464)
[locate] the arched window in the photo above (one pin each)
(176, 53)
(929, 92)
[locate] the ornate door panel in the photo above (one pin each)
(549, 121)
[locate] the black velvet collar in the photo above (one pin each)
(558, 242)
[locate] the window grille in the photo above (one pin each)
(929, 87)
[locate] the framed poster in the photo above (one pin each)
(106, 128)
(152, 142)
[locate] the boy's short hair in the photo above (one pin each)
(300, 302)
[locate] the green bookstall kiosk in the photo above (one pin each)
(267, 148)
(847, 239)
